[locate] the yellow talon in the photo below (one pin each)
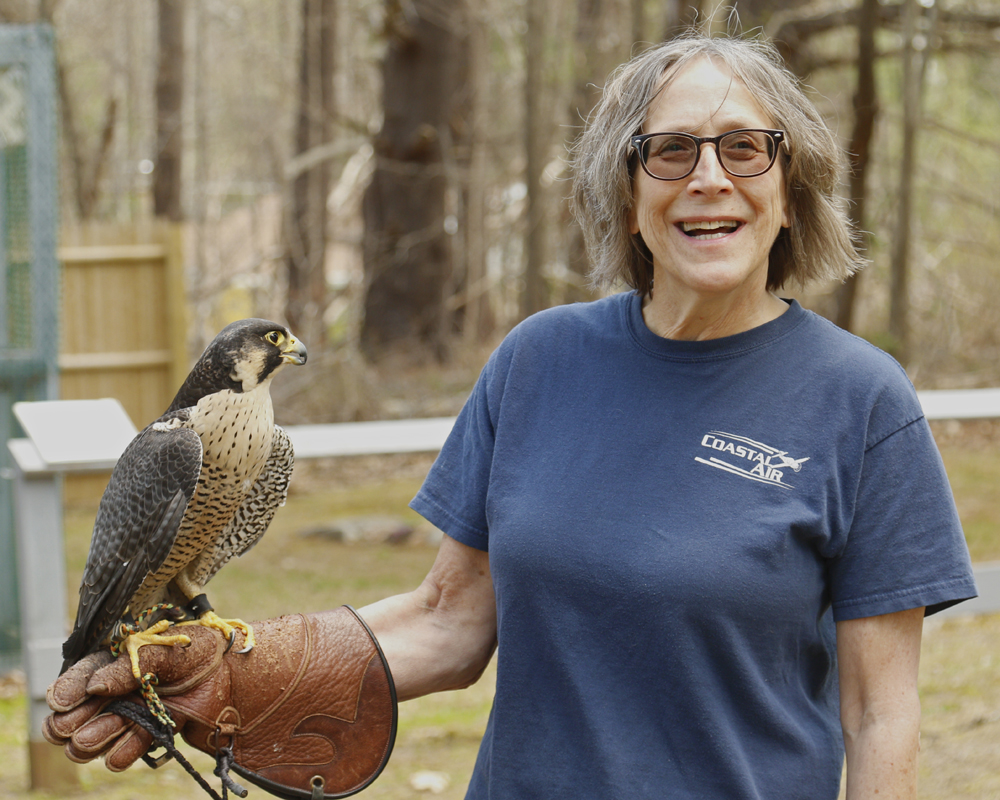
(131, 643)
(227, 627)
(150, 636)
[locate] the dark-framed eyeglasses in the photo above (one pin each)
(743, 153)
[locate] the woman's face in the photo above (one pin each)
(693, 260)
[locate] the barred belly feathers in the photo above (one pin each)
(193, 490)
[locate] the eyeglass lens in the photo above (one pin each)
(674, 155)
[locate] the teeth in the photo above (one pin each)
(710, 235)
(709, 229)
(708, 225)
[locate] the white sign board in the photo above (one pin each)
(78, 434)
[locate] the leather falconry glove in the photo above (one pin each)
(310, 712)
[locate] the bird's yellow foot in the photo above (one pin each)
(131, 644)
(151, 635)
(228, 627)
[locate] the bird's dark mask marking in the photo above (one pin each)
(241, 357)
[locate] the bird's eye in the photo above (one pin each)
(274, 337)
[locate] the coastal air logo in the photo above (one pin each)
(752, 460)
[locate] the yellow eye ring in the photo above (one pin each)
(274, 337)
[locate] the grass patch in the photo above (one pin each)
(975, 478)
(289, 573)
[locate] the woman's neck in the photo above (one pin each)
(708, 318)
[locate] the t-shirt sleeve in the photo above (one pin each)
(453, 496)
(905, 547)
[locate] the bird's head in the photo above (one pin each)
(255, 349)
(244, 355)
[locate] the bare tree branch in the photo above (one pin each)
(791, 31)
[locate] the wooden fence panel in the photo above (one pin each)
(122, 325)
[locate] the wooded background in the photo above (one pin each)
(391, 175)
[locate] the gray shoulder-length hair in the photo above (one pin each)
(819, 245)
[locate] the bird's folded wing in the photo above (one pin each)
(136, 526)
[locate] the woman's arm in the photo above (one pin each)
(879, 706)
(442, 635)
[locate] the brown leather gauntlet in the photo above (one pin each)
(310, 712)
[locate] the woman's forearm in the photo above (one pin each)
(424, 654)
(882, 758)
(442, 635)
(878, 659)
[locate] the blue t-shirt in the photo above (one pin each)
(673, 529)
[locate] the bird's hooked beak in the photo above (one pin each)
(294, 352)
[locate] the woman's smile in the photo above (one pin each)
(703, 230)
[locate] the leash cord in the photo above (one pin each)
(164, 737)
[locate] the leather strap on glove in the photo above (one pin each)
(309, 712)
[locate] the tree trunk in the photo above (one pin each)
(201, 164)
(407, 257)
(306, 218)
(681, 15)
(86, 177)
(582, 101)
(169, 102)
(534, 297)
(595, 54)
(639, 37)
(753, 14)
(477, 320)
(859, 150)
(914, 69)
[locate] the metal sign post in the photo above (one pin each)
(64, 436)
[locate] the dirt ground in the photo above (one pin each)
(960, 699)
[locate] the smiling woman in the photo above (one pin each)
(700, 525)
(709, 233)
(818, 243)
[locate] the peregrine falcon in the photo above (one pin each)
(194, 489)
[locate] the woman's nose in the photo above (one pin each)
(709, 177)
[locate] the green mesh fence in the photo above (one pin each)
(28, 270)
(15, 332)
(17, 249)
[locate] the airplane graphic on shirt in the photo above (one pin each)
(748, 458)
